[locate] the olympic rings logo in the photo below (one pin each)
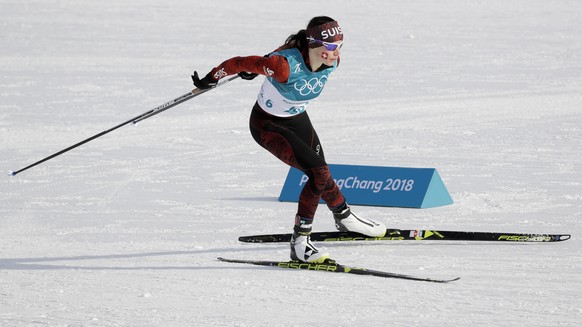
(314, 85)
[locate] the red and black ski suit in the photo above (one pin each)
(291, 139)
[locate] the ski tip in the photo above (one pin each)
(224, 259)
(442, 281)
(564, 237)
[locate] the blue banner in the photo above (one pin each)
(378, 186)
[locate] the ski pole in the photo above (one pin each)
(183, 98)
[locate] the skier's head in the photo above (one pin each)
(324, 38)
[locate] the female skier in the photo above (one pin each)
(295, 74)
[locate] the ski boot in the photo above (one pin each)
(301, 247)
(346, 221)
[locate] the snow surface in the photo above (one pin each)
(125, 230)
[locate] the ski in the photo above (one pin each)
(414, 235)
(332, 266)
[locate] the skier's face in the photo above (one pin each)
(328, 57)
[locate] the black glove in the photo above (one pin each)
(248, 76)
(205, 83)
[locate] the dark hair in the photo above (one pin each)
(299, 40)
